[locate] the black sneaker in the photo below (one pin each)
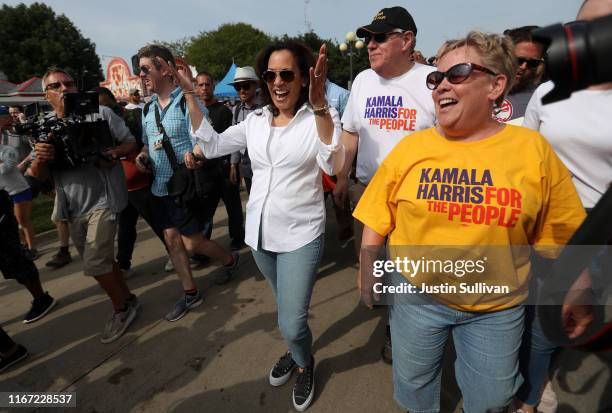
(16, 357)
(59, 260)
(303, 391)
(282, 370)
(40, 307)
(31, 254)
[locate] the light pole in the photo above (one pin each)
(350, 39)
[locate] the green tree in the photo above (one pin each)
(338, 68)
(215, 51)
(34, 38)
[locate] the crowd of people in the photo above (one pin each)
(417, 151)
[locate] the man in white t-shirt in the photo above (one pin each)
(580, 131)
(387, 102)
(134, 101)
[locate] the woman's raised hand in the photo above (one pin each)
(318, 75)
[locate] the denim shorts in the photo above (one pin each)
(487, 347)
(22, 196)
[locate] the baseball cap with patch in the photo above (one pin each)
(389, 19)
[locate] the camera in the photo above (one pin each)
(577, 55)
(77, 138)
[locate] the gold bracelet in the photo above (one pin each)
(323, 110)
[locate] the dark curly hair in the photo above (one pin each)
(305, 60)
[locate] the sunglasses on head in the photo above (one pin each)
(286, 75)
(531, 63)
(456, 74)
(243, 86)
(69, 84)
(379, 37)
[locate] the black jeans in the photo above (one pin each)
(230, 193)
(140, 203)
(13, 262)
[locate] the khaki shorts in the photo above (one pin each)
(94, 238)
(54, 217)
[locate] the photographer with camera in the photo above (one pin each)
(90, 197)
(579, 131)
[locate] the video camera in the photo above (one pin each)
(77, 138)
(577, 55)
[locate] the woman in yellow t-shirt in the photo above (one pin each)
(492, 192)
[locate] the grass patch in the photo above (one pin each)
(41, 214)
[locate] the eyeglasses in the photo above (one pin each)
(531, 63)
(247, 85)
(286, 75)
(379, 37)
(456, 74)
(69, 84)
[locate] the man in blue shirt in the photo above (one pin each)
(180, 222)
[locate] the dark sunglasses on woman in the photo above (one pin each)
(456, 74)
(286, 75)
(379, 37)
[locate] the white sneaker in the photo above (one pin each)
(548, 401)
(169, 267)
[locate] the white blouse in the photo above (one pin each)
(286, 200)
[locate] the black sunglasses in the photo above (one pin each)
(145, 70)
(378, 37)
(243, 86)
(69, 84)
(456, 74)
(286, 75)
(531, 63)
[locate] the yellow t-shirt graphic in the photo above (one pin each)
(492, 197)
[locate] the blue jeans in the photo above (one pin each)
(292, 276)
(487, 347)
(535, 356)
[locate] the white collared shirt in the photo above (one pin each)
(286, 199)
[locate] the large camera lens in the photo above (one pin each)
(578, 55)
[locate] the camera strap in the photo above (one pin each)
(166, 141)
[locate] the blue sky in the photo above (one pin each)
(119, 28)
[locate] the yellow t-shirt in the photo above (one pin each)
(493, 197)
